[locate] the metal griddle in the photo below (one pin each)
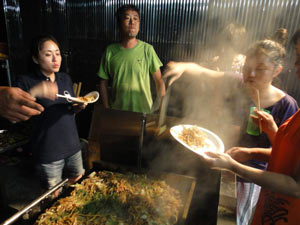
(184, 184)
(17, 216)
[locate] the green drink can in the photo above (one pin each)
(252, 128)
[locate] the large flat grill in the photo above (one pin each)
(184, 184)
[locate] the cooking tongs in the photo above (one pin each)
(14, 217)
(162, 103)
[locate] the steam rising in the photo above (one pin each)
(214, 104)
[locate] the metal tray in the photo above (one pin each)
(184, 184)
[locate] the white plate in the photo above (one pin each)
(213, 142)
(95, 94)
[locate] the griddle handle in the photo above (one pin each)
(141, 141)
(14, 217)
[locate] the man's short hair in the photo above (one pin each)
(296, 37)
(124, 8)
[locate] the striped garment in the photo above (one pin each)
(247, 196)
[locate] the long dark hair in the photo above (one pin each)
(36, 45)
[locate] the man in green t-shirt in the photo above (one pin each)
(129, 65)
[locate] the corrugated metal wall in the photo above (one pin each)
(261, 18)
(178, 29)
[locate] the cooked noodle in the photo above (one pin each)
(86, 98)
(114, 198)
(193, 137)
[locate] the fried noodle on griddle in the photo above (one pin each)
(115, 198)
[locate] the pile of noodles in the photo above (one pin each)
(116, 199)
(193, 137)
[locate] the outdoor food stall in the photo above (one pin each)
(141, 168)
(112, 193)
(169, 192)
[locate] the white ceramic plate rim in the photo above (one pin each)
(95, 94)
(174, 133)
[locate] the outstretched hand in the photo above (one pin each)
(174, 70)
(17, 105)
(45, 89)
(220, 161)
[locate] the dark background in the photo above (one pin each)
(179, 30)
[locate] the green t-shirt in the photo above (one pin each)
(130, 71)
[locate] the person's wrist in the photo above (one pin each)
(233, 165)
(271, 133)
(251, 152)
(32, 92)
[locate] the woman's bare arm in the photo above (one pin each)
(176, 69)
(277, 182)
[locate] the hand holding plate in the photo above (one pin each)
(220, 161)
